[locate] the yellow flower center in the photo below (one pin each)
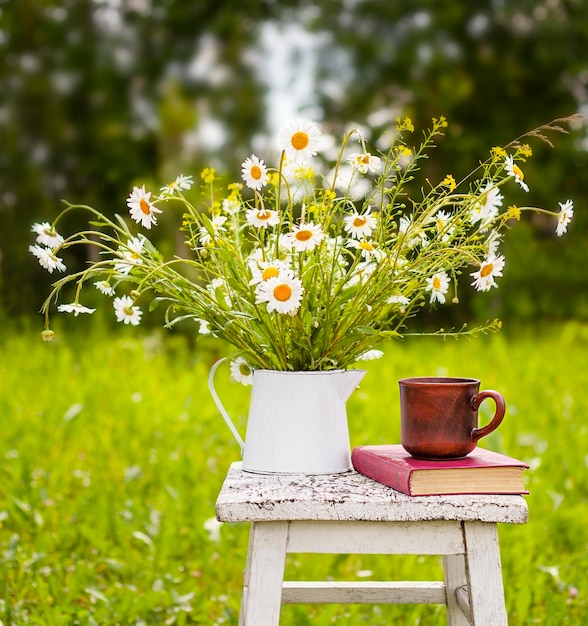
(359, 221)
(486, 270)
(255, 172)
(366, 245)
(263, 214)
(244, 369)
(518, 171)
(144, 206)
(282, 292)
(436, 282)
(300, 140)
(364, 158)
(303, 235)
(269, 272)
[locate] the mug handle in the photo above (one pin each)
(220, 406)
(478, 433)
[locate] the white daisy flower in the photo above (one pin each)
(305, 237)
(442, 222)
(484, 277)
(368, 250)
(75, 307)
(217, 224)
(370, 355)
(264, 270)
(181, 183)
(254, 172)
(141, 208)
(349, 185)
(566, 212)
(221, 291)
(203, 327)
(260, 218)
(126, 311)
(398, 299)
(104, 287)
(487, 207)
(365, 162)
(282, 294)
(48, 259)
(360, 226)
(241, 371)
(231, 205)
(361, 273)
(300, 140)
(47, 235)
(333, 251)
(131, 255)
(512, 169)
(492, 242)
(413, 236)
(438, 285)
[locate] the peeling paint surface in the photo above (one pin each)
(248, 497)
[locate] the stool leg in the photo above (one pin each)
(484, 572)
(264, 574)
(455, 579)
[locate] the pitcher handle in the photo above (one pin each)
(220, 406)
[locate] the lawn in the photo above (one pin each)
(112, 454)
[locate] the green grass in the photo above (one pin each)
(112, 455)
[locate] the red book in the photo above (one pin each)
(482, 471)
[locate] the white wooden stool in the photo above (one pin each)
(351, 514)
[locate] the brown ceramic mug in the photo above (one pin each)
(439, 416)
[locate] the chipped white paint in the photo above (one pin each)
(349, 513)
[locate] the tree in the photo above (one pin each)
(99, 94)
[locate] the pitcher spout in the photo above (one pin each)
(347, 382)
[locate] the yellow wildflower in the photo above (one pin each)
(449, 182)
(525, 150)
(304, 172)
(314, 210)
(328, 196)
(513, 213)
(499, 152)
(405, 124)
(208, 175)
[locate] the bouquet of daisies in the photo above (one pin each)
(303, 265)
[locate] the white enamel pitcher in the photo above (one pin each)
(297, 421)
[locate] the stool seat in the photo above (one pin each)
(350, 513)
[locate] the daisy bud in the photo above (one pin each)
(455, 300)
(135, 294)
(47, 335)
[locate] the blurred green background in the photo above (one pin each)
(98, 95)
